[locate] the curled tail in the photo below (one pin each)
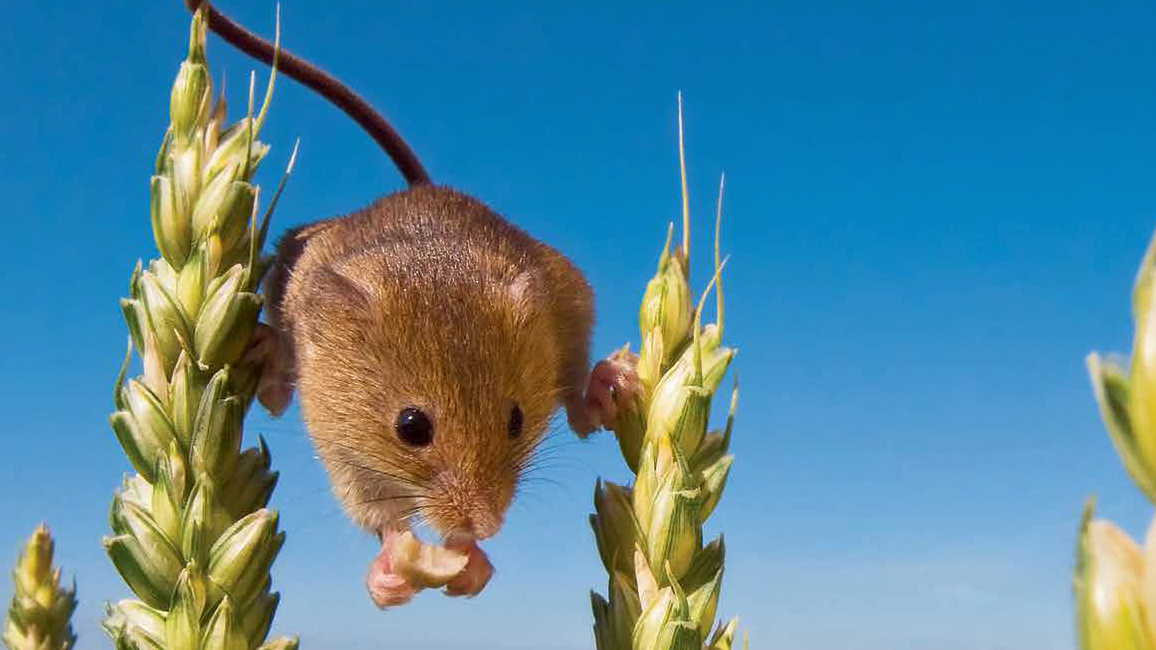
(323, 84)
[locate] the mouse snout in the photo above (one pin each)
(473, 510)
(478, 516)
(477, 520)
(482, 524)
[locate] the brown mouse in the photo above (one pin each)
(430, 342)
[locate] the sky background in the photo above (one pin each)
(934, 212)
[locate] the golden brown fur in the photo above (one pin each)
(428, 299)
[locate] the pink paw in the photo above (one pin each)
(613, 381)
(477, 573)
(275, 388)
(389, 588)
(386, 588)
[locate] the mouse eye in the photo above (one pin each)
(514, 428)
(413, 427)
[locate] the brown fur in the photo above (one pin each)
(428, 299)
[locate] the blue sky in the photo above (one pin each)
(934, 211)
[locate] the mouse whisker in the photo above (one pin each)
(418, 488)
(522, 488)
(377, 457)
(384, 499)
(416, 512)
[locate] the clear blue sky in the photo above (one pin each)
(934, 212)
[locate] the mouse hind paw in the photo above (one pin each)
(613, 382)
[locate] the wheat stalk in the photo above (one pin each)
(192, 537)
(664, 582)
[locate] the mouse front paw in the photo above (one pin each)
(275, 387)
(386, 587)
(406, 566)
(477, 572)
(613, 383)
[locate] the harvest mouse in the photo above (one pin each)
(430, 341)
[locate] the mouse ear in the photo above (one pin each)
(334, 300)
(520, 289)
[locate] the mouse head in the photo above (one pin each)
(427, 397)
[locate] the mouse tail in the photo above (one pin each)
(323, 84)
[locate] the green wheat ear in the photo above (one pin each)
(664, 583)
(192, 536)
(1114, 581)
(40, 612)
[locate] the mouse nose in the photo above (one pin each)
(483, 524)
(469, 508)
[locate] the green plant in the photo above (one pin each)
(191, 535)
(1115, 579)
(664, 583)
(40, 613)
